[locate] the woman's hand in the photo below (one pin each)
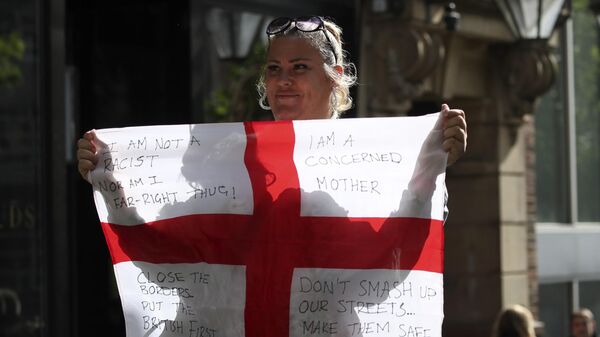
(455, 133)
(86, 154)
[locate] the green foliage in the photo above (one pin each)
(579, 5)
(237, 100)
(12, 50)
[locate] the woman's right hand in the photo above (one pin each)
(86, 154)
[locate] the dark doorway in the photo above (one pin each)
(127, 64)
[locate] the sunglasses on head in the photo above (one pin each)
(307, 24)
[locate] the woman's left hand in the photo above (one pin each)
(455, 133)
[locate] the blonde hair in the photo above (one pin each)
(340, 99)
(514, 321)
(584, 313)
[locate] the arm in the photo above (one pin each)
(450, 132)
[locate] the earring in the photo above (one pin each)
(262, 102)
(333, 101)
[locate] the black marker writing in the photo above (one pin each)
(208, 192)
(322, 141)
(347, 185)
(356, 158)
(319, 328)
(138, 144)
(118, 164)
(165, 144)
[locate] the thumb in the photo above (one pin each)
(445, 109)
(441, 117)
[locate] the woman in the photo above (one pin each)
(306, 76)
(515, 321)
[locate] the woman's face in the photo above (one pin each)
(297, 86)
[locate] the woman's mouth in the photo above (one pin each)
(287, 98)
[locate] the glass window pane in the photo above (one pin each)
(21, 286)
(589, 297)
(555, 308)
(552, 185)
(587, 102)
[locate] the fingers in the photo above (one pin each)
(455, 149)
(86, 150)
(458, 120)
(85, 145)
(86, 154)
(85, 167)
(88, 138)
(445, 108)
(455, 133)
(452, 145)
(458, 132)
(455, 117)
(90, 135)
(455, 124)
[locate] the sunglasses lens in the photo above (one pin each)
(278, 25)
(309, 23)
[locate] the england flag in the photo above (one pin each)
(298, 228)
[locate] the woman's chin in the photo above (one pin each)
(285, 115)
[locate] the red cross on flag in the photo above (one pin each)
(303, 228)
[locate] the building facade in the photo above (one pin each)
(524, 200)
(480, 67)
(568, 160)
(524, 224)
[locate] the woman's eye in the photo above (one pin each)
(300, 66)
(272, 68)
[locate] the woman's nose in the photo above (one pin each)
(285, 79)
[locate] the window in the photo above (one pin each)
(552, 152)
(568, 184)
(555, 308)
(587, 112)
(21, 261)
(589, 296)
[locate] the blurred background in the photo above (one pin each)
(524, 224)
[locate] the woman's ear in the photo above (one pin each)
(339, 69)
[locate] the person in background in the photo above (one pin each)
(307, 76)
(514, 321)
(583, 323)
